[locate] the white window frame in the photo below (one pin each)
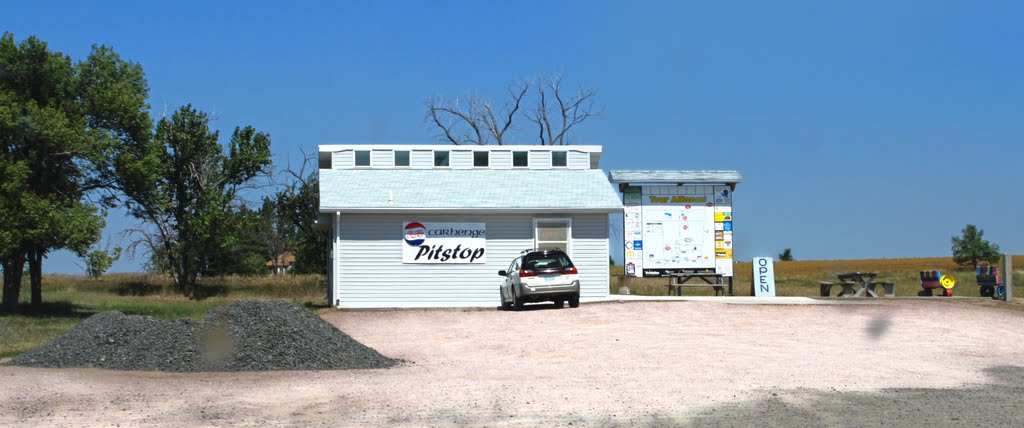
(568, 235)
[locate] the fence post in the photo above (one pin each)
(1008, 276)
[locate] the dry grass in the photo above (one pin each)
(70, 299)
(800, 278)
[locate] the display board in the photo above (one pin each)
(677, 228)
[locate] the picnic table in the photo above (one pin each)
(677, 281)
(858, 284)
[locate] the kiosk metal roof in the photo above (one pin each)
(675, 177)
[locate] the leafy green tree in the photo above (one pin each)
(299, 208)
(187, 188)
(970, 248)
(786, 255)
(98, 261)
(60, 125)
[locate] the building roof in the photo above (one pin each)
(366, 190)
(675, 177)
(284, 259)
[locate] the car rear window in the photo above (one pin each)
(546, 261)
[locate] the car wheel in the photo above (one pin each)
(574, 301)
(559, 304)
(987, 291)
(504, 305)
(517, 303)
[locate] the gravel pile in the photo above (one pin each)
(245, 335)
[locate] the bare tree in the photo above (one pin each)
(474, 119)
(557, 113)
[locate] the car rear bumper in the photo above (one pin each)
(550, 291)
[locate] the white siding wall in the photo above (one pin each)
(382, 158)
(421, 159)
(577, 160)
(501, 159)
(370, 272)
(590, 253)
(461, 159)
(540, 159)
(343, 159)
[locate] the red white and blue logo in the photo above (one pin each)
(415, 233)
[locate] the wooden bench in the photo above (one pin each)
(848, 288)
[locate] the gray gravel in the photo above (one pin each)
(245, 335)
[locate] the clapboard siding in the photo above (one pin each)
(577, 160)
(590, 253)
(343, 159)
(462, 159)
(382, 158)
(370, 272)
(501, 159)
(421, 159)
(540, 159)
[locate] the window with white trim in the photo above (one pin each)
(481, 159)
(520, 159)
(553, 233)
(362, 158)
(401, 158)
(441, 157)
(559, 159)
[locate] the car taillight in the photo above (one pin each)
(570, 270)
(525, 273)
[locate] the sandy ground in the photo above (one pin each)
(897, 363)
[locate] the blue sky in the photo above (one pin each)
(863, 129)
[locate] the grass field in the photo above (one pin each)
(70, 299)
(800, 278)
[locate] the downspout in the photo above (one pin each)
(337, 255)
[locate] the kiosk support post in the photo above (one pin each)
(1008, 276)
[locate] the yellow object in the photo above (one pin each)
(947, 281)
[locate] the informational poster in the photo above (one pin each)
(678, 228)
(444, 243)
(723, 230)
(632, 230)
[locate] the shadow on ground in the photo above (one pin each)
(536, 307)
(992, 404)
(61, 309)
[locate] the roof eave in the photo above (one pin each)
(477, 210)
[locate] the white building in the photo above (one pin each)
(430, 226)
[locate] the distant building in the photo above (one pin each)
(431, 225)
(282, 263)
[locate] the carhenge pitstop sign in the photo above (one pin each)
(444, 243)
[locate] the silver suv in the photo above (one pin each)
(540, 275)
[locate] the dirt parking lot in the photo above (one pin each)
(902, 362)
